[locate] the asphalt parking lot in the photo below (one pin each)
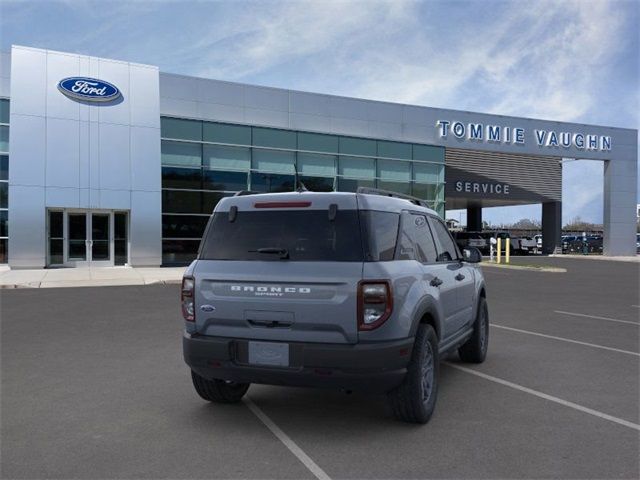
(94, 386)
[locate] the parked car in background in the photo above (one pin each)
(638, 242)
(538, 247)
(471, 239)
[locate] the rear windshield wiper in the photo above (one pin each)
(283, 252)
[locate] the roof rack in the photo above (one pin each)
(242, 193)
(387, 193)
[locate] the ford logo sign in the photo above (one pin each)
(89, 89)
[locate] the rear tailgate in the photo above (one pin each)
(301, 301)
(281, 267)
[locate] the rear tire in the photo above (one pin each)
(474, 350)
(218, 391)
(414, 400)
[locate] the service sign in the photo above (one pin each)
(88, 89)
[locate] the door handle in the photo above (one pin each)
(436, 282)
(459, 277)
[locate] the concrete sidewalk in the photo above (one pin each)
(89, 277)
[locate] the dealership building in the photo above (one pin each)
(106, 162)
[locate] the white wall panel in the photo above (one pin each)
(341, 107)
(309, 103)
(27, 144)
(225, 93)
(115, 199)
(28, 81)
(115, 164)
(266, 98)
(314, 123)
(27, 221)
(62, 197)
(221, 113)
(63, 153)
(145, 154)
(146, 228)
(270, 118)
(144, 97)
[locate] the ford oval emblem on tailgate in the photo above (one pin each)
(207, 308)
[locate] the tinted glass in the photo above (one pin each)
(3, 251)
(424, 244)
(276, 161)
(4, 138)
(269, 182)
(211, 199)
(190, 178)
(120, 242)
(224, 133)
(4, 167)
(447, 250)
(425, 191)
(428, 172)
(4, 111)
(4, 194)
(175, 201)
(55, 252)
(317, 184)
(55, 224)
(358, 146)
(349, 185)
(392, 170)
(357, 167)
(399, 187)
(227, 158)
(218, 180)
(179, 153)
(179, 252)
(305, 235)
(428, 153)
(381, 232)
(4, 223)
(394, 150)
(183, 226)
(317, 143)
(182, 129)
(270, 137)
(316, 164)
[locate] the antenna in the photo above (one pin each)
(299, 186)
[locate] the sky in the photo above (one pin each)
(566, 60)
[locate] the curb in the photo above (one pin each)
(63, 284)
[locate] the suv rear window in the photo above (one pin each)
(306, 235)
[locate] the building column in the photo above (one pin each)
(620, 192)
(474, 219)
(551, 226)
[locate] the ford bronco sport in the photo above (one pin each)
(355, 291)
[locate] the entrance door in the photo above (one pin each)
(77, 239)
(82, 238)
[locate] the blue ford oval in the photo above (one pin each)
(89, 89)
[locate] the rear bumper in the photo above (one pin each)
(370, 367)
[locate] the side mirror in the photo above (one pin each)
(471, 255)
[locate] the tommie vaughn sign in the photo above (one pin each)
(515, 135)
(88, 89)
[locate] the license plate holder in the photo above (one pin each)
(269, 354)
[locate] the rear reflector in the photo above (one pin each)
(282, 204)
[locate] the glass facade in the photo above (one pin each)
(203, 162)
(4, 179)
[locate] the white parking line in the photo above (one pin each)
(551, 398)
(596, 317)
(286, 440)
(566, 340)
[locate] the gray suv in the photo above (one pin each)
(355, 291)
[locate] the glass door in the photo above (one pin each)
(100, 240)
(77, 240)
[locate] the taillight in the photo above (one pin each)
(375, 303)
(186, 298)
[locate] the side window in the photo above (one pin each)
(416, 242)
(447, 250)
(381, 232)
